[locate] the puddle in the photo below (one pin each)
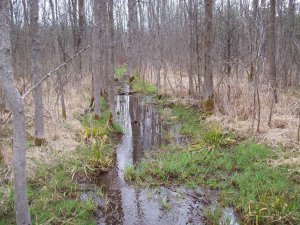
(126, 204)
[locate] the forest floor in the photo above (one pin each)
(256, 175)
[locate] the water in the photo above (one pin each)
(127, 204)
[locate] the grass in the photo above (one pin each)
(261, 193)
(53, 199)
(140, 85)
(120, 71)
(99, 139)
(54, 196)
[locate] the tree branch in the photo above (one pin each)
(53, 71)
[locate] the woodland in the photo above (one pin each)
(149, 112)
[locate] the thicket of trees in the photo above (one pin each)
(207, 41)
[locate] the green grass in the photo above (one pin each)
(140, 85)
(191, 120)
(120, 71)
(53, 194)
(97, 153)
(260, 192)
(53, 198)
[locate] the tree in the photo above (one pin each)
(271, 56)
(16, 105)
(208, 76)
(191, 47)
(132, 29)
(36, 71)
(96, 58)
(57, 60)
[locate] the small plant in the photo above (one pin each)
(213, 137)
(118, 129)
(213, 216)
(129, 173)
(140, 85)
(165, 205)
(120, 71)
(274, 208)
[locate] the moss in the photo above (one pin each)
(64, 114)
(96, 117)
(208, 106)
(39, 141)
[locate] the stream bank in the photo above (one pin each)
(145, 133)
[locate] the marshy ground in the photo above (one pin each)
(160, 162)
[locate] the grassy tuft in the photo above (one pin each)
(120, 71)
(213, 217)
(140, 85)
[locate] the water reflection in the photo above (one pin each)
(130, 205)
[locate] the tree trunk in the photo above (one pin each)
(111, 42)
(36, 70)
(80, 36)
(191, 48)
(57, 60)
(16, 105)
(271, 56)
(132, 28)
(208, 76)
(96, 58)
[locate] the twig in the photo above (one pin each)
(298, 131)
(53, 71)
(5, 121)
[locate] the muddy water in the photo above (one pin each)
(126, 204)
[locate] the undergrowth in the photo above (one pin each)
(140, 85)
(261, 193)
(98, 138)
(53, 198)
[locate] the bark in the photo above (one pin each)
(17, 108)
(111, 54)
(271, 56)
(191, 48)
(57, 60)
(208, 76)
(96, 58)
(36, 71)
(132, 29)
(81, 25)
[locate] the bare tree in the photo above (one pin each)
(57, 60)
(191, 47)
(208, 76)
(132, 29)
(16, 105)
(271, 56)
(96, 58)
(36, 71)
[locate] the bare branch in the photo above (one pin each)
(53, 71)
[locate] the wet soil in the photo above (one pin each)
(124, 203)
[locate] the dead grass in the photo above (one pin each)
(60, 133)
(234, 111)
